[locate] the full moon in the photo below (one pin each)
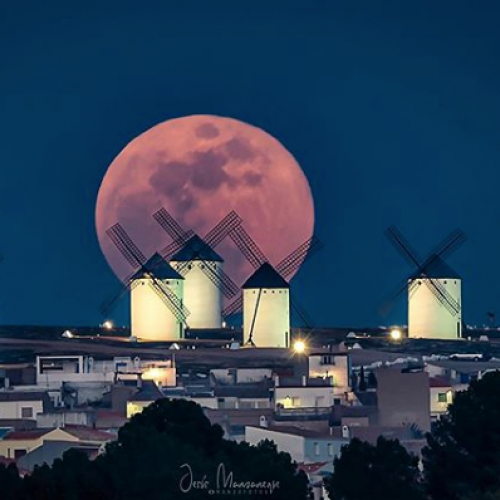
(200, 168)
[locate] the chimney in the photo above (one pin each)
(345, 432)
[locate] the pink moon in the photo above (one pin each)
(200, 168)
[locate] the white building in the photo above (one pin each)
(241, 375)
(266, 309)
(441, 396)
(22, 405)
(156, 315)
(336, 366)
(430, 314)
(304, 445)
(303, 397)
(89, 379)
(201, 268)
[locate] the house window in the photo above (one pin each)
(316, 449)
(330, 449)
(19, 453)
(27, 412)
(442, 397)
(328, 360)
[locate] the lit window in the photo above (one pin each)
(442, 397)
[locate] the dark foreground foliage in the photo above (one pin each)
(152, 460)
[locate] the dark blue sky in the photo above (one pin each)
(391, 108)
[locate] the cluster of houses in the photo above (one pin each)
(310, 408)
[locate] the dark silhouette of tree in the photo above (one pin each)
(151, 458)
(147, 459)
(10, 482)
(354, 381)
(385, 471)
(463, 452)
(362, 380)
(372, 380)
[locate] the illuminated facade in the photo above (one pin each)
(430, 314)
(154, 316)
(201, 268)
(266, 309)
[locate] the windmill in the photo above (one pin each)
(201, 267)
(157, 309)
(434, 288)
(265, 297)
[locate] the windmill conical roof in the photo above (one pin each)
(160, 268)
(266, 277)
(196, 249)
(436, 268)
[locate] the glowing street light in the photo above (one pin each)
(299, 346)
(108, 325)
(395, 334)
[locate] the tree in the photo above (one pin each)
(10, 482)
(170, 440)
(362, 380)
(366, 472)
(372, 380)
(463, 453)
(151, 459)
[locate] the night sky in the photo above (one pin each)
(392, 110)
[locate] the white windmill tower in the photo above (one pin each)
(202, 268)
(150, 319)
(434, 302)
(266, 308)
(157, 309)
(434, 289)
(265, 298)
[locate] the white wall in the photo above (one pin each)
(241, 375)
(302, 449)
(331, 365)
(14, 409)
(427, 316)
(304, 397)
(202, 297)
(269, 315)
(60, 419)
(438, 407)
(91, 371)
(151, 318)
